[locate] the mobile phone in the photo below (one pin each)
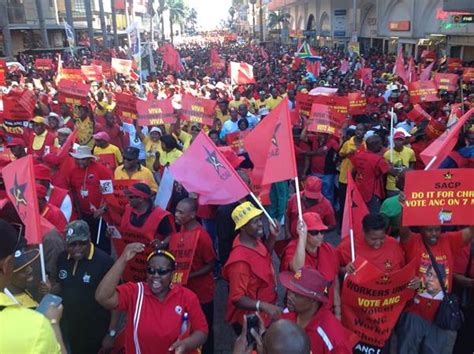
(46, 301)
(252, 322)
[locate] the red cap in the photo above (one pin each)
(16, 141)
(231, 156)
(307, 282)
(399, 135)
(41, 191)
(312, 188)
(313, 222)
(42, 172)
(102, 136)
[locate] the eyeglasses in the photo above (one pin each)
(78, 243)
(315, 232)
(161, 272)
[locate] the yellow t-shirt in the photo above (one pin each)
(184, 138)
(273, 102)
(25, 331)
(222, 117)
(38, 141)
(85, 130)
(401, 159)
(169, 157)
(346, 148)
(236, 104)
(110, 149)
(107, 107)
(150, 149)
(142, 173)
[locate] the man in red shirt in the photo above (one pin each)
(84, 180)
(200, 280)
(117, 136)
(307, 293)
(249, 269)
(370, 169)
(416, 330)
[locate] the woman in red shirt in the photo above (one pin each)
(161, 317)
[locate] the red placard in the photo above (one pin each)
(71, 74)
(339, 104)
(423, 91)
(44, 64)
(183, 246)
(107, 160)
(19, 105)
(73, 92)
(439, 197)
(303, 104)
(198, 110)
(92, 72)
(448, 82)
(236, 141)
(357, 103)
(418, 114)
(155, 112)
(454, 64)
(3, 71)
(468, 75)
(126, 106)
(373, 300)
(106, 68)
(121, 66)
(324, 120)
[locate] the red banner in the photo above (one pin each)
(418, 114)
(92, 72)
(454, 64)
(126, 106)
(422, 91)
(236, 141)
(183, 246)
(198, 110)
(44, 64)
(448, 82)
(468, 75)
(339, 104)
(155, 112)
(121, 66)
(3, 71)
(71, 74)
(19, 105)
(107, 160)
(439, 197)
(303, 104)
(323, 120)
(357, 103)
(73, 92)
(372, 301)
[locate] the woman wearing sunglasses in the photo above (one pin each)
(161, 316)
(310, 250)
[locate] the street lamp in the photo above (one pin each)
(253, 2)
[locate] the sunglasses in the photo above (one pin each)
(78, 243)
(161, 272)
(315, 232)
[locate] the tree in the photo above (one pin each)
(177, 13)
(191, 20)
(161, 11)
(276, 19)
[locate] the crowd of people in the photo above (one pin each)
(115, 265)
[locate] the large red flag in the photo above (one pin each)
(444, 144)
(426, 73)
(270, 147)
(399, 68)
(20, 186)
(354, 210)
(202, 169)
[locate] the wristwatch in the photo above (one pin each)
(112, 333)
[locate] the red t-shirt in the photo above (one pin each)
(370, 169)
(388, 258)
(88, 180)
(321, 164)
(203, 286)
(160, 322)
(460, 264)
(55, 216)
(323, 208)
(326, 333)
(429, 296)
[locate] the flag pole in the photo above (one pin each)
(431, 163)
(298, 198)
(351, 235)
(462, 95)
(392, 114)
(43, 268)
(98, 231)
(263, 209)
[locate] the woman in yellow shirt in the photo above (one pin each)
(152, 144)
(170, 149)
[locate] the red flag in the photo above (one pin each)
(202, 169)
(241, 73)
(411, 72)
(171, 58)
(64, 150)
(314, 67)
(399, 68)
(20, 186)
(270, 147)
(426, 73)
(354, 210)
(365, 74)
(216, 61)
(444, 144)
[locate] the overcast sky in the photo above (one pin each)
(210, 12)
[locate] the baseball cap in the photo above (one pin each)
(77, 230)
(399, 135)
(155, 129)
(101, 136)
(243, 213)
(39, 120)
(312, 188)
(398, 105)
(23, 258)
(15, 142)
(313, 222)
(307, 282)
(42, 172)
(131, 153)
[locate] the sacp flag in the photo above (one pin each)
(20, 186)
(270, 147)
(372, 300)
(203, 170)
(241, 73)
(198, 110)
(439, 197)
(155, 112)
(69, 34)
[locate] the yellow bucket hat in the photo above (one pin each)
(243, 213)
